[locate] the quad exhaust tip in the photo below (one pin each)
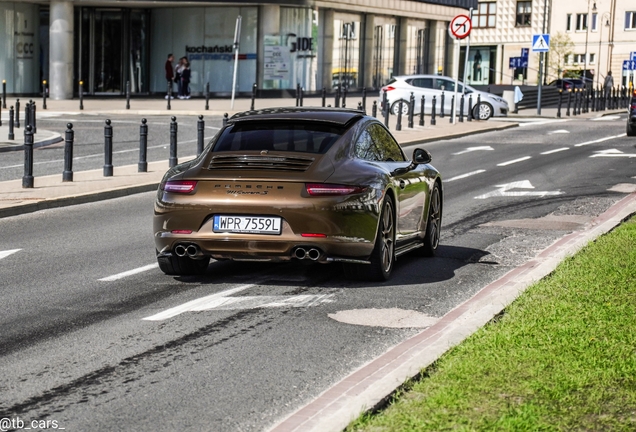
(302, 253)
(190, 250)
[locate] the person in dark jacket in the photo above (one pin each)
(185, 79)
(169, 73)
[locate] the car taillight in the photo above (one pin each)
(179, 186)
(387, 88)
(322, 189)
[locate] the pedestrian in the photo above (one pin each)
(169, 75)
(608, 85)
(177, 76)
(185, 79)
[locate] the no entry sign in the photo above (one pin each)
(460, 26)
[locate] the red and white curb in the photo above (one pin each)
(365, 387)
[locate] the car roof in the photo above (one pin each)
(337, 116)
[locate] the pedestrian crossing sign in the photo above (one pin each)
(540, 43)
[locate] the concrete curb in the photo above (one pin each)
(43, 143)
(366, 387)
(77, 199)
(458, 135)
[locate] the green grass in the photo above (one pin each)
(562, 357)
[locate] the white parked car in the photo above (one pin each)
(399, 88)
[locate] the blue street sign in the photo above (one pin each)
(517, 62)
(525, 52)
(540, 43)
(632, 55)
(629, 64)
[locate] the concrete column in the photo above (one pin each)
(367, 48)
(401, 48)
(268, 25)
(61, 50)
(325, 49)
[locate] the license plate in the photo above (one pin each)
(247, 224)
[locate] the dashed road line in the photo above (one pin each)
(514, 161)
(130, 272)
(4, 254)
(464, 175)
(600, 140)
(555, 150)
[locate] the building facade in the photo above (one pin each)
(107, 45)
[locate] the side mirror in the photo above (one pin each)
(421, 156)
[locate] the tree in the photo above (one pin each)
(561, 46)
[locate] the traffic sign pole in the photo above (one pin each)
(540, 84)
(459, 28)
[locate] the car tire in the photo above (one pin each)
(395, 107)
(182, 266)
(631, 130)
(383, 256)
(483, 111)
(433, 224)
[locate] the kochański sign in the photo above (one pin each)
(460, 27)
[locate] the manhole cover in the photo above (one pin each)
(394, 318)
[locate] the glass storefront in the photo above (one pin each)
(416, 49)
(346, 53)
(20, 54)
(383, 52)
(111, 50)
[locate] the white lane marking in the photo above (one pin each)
(4, 254)
(539, 123)
(129, 273)
(504, 190)
(472, 149)
(464, 175)
(600, 140)
(612, 153)
(560, 131)
(515, 161)
(556, 150)
(607, 118)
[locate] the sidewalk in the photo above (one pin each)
(88, 186)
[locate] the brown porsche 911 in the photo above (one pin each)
(320, 184)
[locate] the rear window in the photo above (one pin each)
(303, 137)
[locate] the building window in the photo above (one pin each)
(579, 58)
(581, 22)
(592, 58)
(524, 12)
(568, 24)
(594, 22)
(485, 14)
(630, 20)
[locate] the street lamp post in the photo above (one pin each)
(587, 34)
(600, 39)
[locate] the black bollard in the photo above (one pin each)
(575, 109)
(411, 109)
(587, 100)
(567, 111)
(398, 125)
(127, 94)
(344, 97)
(169, 95)
(593, 99)
(44, 94)
(364, 99)
(108, 149)
(200, 133)
(81, 94)
(11, 135)
(4, 94)
(173, 160)
(461, 109)
(433, 121)
(359, 106)
(560, 101)
(33, 117)
(301, 95)
(374, 109)
(0, 114)
(422, 104)
(385, 109)
(479, 106)
(470, 108)
(27, 115)
(27, 179)
(142, 165)
(441, 105)
(207, 96)
(452, 113)
(254, 87)
(297, 94)
(337, 98)
(324, 96)
(17, 113)
(69, 136)
(225, 119)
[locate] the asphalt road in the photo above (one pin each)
(75, 347)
